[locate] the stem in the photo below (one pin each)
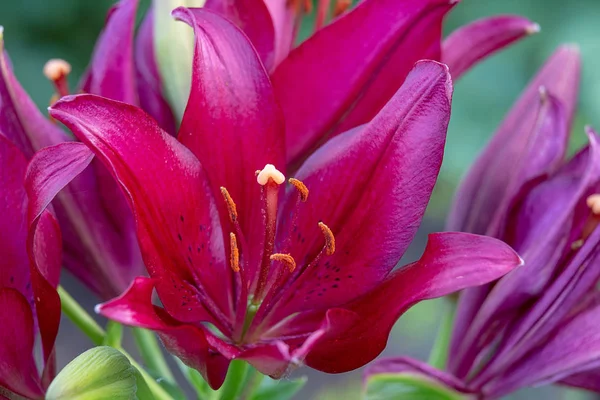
(234, 381)
(438, 357)
(80, 317)
(97, 335)
(151, 353)
(114, 334)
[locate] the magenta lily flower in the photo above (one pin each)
(538, 324)
(247, 270)
(325, 89)
(100, 246)
(29, 303)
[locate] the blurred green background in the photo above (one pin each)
(36, 30)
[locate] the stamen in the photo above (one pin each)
(57, 71)
(269, 172)
(300, 187)
(235, 253)
(341, 6)
(329, 239)
(231, 207)
(308, 6)
(286, 259)
(593, 202)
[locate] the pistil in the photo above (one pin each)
(57, 71)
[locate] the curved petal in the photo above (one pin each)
(451, 262)
(18, 372)
(148, 77)
(111, 72)
(589, 380)
(252, 17)
(232, 122)
(405, 365)
(478, 193)
(285, 16)
(20, 119)
(345, 73)
(371, 186)
(166, 189)
(471, 43)
(194, 346)
(99, 250)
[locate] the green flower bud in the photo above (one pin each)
(174, 49)
(99, 373)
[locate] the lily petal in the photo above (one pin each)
(350, 84)
(285, 18)
(111, 72)
(589, 380)
(478, 194)
(193, 345)
(167, 192)
(451, 262)
(371, 186)
(252, 17)
(231, 100)
(471, 43)
(20, 119)
(148, 77)
(18, 371)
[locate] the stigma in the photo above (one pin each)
(269, 172)
(57, 71)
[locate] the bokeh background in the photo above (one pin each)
(37, 30)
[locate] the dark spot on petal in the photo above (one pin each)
(337, 279)
(350, 276)
(190, 259)
(335, 286)
(180, 238)
(181, 218)
(12, 279)
(190, 248)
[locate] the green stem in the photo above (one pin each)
(97, 335)
(81, 318)
(439, 353)
(114, 334)
(234, 380)
(151, 353)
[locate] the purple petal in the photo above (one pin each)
(371, 186)
(471, 43)
(175, 229)
(148, 77)
(451, 262)
(18, 372)
(479, 193)
(285, 20)
(194, 346)
(588, 380)
(252, 17)
(405, 365)
(111, 72)
(363, 58)
(232, 122)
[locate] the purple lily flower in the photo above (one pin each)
(100, 247)
(29, 304)
(538, 324)
(247, 270)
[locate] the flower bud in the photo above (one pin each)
(99, 373)
(174, 49)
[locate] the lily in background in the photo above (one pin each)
(29, 304)
(100, 247)
(538, 324)
(246, 270)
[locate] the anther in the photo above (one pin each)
(329, 239)
(286, 259)
(341, 6)
(593, 202)
(300, 187)
(308, 6)
(235, 253)
(269, 172)
(231, 207)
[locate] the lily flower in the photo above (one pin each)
(100, 247)
(30, 267)
(246, 268)
(538, 324)
(343, 74)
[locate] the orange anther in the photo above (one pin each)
(235, 253)
(286, 259)
(341, 6)
(329, 239)
(300, 187)
(230, 204)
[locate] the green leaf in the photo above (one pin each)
(271, 389)
(408, 387)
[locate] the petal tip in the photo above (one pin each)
(98, 309)
(533, 28)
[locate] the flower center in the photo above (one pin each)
(257, 294)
